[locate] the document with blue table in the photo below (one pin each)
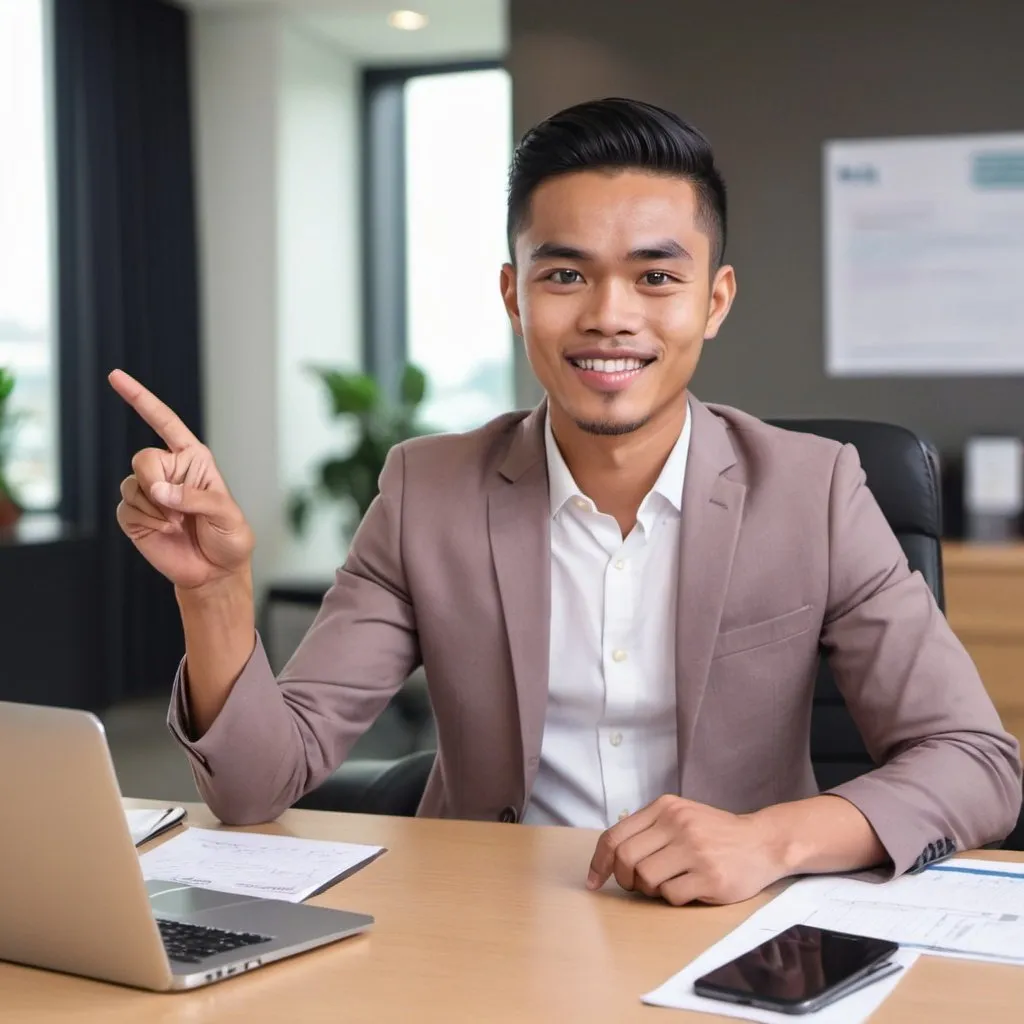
(971, 909)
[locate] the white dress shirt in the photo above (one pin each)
(609, 743)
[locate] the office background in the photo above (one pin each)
(241, 188)
(769, 82)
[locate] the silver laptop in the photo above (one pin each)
(72, 895)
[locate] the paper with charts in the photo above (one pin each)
(966, 908)
(275, 867)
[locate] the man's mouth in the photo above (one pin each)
(611, 365)
(609, 376)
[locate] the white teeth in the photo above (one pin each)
(609, 365)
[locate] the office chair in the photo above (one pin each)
(374, 786)
(902, 473)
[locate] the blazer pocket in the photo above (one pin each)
(760, 634)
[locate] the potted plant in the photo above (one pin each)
(379, 425)
(10, 510)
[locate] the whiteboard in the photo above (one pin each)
(924, 255)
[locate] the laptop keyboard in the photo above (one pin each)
(191, 943)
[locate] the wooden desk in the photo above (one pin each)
(985, 607)
(479, 923)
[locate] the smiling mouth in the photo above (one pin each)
(611, 366)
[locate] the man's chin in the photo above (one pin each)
(608, 426)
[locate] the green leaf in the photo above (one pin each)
(364, 487)
(336, 477)
(350, 392)
(414, 386)
(299, 506)
(380, 424)
(6, 384)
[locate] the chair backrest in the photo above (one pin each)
(903, 475)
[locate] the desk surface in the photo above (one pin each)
(480, 922)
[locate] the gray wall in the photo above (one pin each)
(769, 81)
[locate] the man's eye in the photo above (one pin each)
(656, 277)
(566, 277)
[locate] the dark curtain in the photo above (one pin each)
(127, 298)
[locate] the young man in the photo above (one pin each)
(618, 598)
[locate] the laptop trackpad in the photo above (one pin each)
(178, 900)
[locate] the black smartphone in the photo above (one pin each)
(800, 970)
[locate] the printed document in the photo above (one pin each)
(924, 255)
(275, 867)
(966, 908)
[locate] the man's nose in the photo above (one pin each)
(612, 308)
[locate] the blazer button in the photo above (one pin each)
(508, 815)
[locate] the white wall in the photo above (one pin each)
(319, 283)
(276, 139)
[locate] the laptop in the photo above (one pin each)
(72, 895)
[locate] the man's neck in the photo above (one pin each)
(617, 471)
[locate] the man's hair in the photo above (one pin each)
(618, 134)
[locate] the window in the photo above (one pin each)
(27, 320)
(451, 134)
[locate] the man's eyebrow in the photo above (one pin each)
(668, 249)
(558, 251)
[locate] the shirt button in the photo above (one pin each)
(618, 655)
(581, 502)
(624, 815)
(620, 563)
(615, 739)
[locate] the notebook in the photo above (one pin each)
(149, 823)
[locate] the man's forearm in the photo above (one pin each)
(220, 633)
(819, 835)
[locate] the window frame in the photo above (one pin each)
(384, 222)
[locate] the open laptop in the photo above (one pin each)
(72, 895)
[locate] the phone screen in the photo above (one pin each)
(797, 966)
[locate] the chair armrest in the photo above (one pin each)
(373, 786)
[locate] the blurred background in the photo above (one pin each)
(287, 219)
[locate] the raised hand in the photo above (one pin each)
(175, 506)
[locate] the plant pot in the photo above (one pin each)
(10, 513)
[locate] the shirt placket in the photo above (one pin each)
(619, 666)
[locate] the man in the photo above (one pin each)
(618, 598)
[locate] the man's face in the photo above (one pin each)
(613, 295)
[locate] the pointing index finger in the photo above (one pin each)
(157, 414)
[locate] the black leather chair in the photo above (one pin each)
(902, 472)
(374, 786)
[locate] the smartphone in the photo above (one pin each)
(800, 970)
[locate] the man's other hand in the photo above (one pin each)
(685, 852)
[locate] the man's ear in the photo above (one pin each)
(510, 296)
(723, 291)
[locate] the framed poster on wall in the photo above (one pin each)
(924, 255)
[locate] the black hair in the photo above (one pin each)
(617, 133)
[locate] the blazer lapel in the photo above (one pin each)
(519, 523)
(712, 511)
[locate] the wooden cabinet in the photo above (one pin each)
(985, 607)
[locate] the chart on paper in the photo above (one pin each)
(924, 255)
(967, 908)
(275, 867)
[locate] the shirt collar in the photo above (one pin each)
(562, 487)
